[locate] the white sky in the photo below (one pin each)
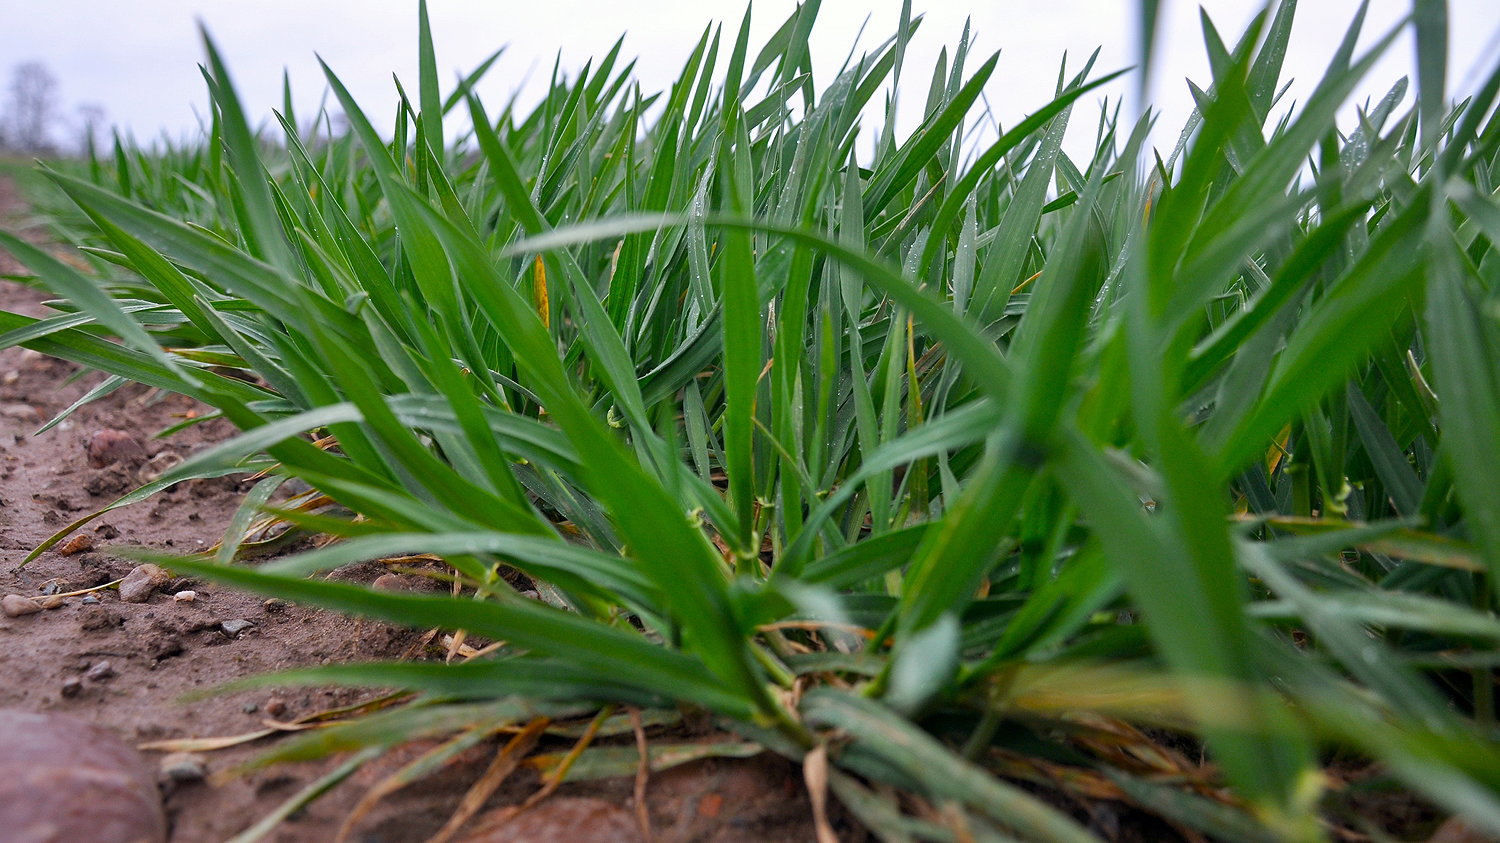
(139, 59)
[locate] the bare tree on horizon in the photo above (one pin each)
(31, 110)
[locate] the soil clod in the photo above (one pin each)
(100, 619)
(163, 645)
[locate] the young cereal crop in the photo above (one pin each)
(957, 475)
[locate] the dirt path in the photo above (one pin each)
(127, 666)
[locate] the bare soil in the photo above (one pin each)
(160, 651)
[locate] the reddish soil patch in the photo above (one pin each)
(160, 650)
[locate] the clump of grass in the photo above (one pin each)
(939, 470)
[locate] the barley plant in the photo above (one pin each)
(966, 475)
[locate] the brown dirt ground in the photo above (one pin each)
(163, 649)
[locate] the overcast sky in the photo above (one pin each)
(138, 60)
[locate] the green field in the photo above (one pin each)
(937, 468)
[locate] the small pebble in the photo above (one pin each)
(249, 708)
(391, 582)
(14, 606)
(78, 544)
(185, 596)
(100, 672)
(90, 599)
(110, 446)
(275, 706)
(233, 628)
(183, 767)
(64, 778)
(72, 686)
(142, 582)
(274, 606)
